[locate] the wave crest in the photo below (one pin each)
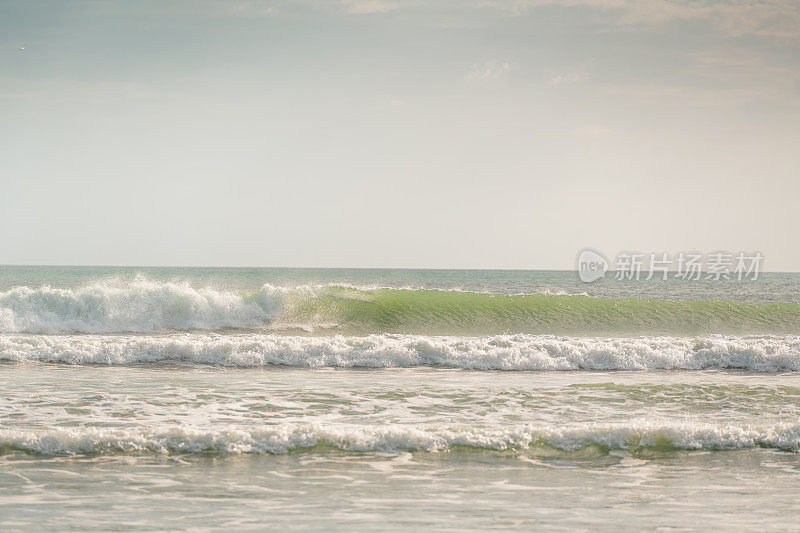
(499, 352)
(143, 306)
(285, 438)
(138, 306)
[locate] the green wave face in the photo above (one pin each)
(465, 313)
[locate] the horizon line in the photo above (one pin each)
(338, 268)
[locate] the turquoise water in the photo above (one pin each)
(141, 399)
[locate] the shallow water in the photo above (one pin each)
(183, 425)
(650, 448)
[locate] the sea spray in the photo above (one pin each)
(143, 306)
(770, 353)
(289, 437)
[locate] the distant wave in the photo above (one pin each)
(285, 438)
(520, 352)
(143, 306)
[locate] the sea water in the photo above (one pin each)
(197, 398)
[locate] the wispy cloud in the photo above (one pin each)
(771, 18)
(241, 8)
(687, 96)
(594, 131)
(365, 7)
(569, 77)
(490, 70)
(261, 8)
(741, 64)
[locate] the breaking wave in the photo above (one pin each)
(143, 306)
(771, 353)
(138, 306)
(285, 438)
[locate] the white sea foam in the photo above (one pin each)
(500, 352)
(284, 438)
(137, 306)
(142, 306)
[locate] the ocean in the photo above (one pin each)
(351, 399)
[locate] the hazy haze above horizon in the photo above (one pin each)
(372, 133)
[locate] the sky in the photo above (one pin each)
(397, 133)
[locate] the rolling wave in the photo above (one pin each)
(286, 438)
(143, 306)
(139, 306)
(771, 353)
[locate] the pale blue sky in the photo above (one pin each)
(376, 133)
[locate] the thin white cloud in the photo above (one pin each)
(366, 7)
(595, 131)
(569, 77)
(242, 8)
(262, 8)
(743, 68)
(770, 18)
(687, 96)
(490, 70)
